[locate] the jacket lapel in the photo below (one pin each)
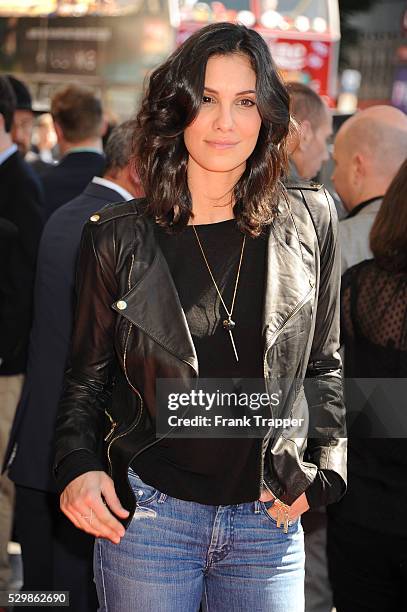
(153, 305)
(288, 282)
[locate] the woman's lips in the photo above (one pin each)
(218, 144)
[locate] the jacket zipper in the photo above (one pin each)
(113, 425)
(276, 334)
(134, 425)
(127, 431)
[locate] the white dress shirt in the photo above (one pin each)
(126, 195)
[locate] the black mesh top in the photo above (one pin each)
(374, 334)
(374, 321)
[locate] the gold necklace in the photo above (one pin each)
(228, 324)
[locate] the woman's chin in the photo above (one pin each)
(221, 165)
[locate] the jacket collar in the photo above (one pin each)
(101, 192)
(153, 304)
(363, 205)
(79, 158)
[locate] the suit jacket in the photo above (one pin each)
(21, 205)
(33, 427)
(69, 178)
(8, 244)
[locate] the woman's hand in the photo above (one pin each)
(83, 504)
(295, 510)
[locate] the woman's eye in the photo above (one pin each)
(247, 102)
(207, 100)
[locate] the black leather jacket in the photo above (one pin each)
(131, 330)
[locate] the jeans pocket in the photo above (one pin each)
(145, 493)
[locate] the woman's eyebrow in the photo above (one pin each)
(239, 93)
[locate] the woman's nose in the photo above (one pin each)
(224, 118)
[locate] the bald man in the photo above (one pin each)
(368, 151)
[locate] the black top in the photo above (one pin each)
(211, 471)
(374, 332)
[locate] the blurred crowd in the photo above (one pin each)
(56, 171)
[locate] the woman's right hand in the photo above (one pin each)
(89, 501)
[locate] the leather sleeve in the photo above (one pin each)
(88, 381)
(327, 444)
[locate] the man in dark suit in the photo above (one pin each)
(22, 127)
(56, 556)
(23, 120)
(20, 206)
(79, 125)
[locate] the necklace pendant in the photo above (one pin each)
(229, 324)
(233, 345)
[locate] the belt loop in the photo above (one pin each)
(257, 507)
(162, 498)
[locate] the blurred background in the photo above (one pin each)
(352, 53)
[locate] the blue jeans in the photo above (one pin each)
(177, 553)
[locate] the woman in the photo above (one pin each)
(367, 537)
(218, 273)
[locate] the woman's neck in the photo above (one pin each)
(212, 194)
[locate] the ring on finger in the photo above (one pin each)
(88, 517)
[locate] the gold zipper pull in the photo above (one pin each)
(265, 486)
(113, 426)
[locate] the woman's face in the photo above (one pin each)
(225, 131)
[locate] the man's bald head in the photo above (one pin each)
(369, 149)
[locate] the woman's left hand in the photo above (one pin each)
(295, 510)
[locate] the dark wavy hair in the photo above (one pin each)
(171, 103)
(388, 236)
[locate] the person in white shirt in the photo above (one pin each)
(368, 151)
